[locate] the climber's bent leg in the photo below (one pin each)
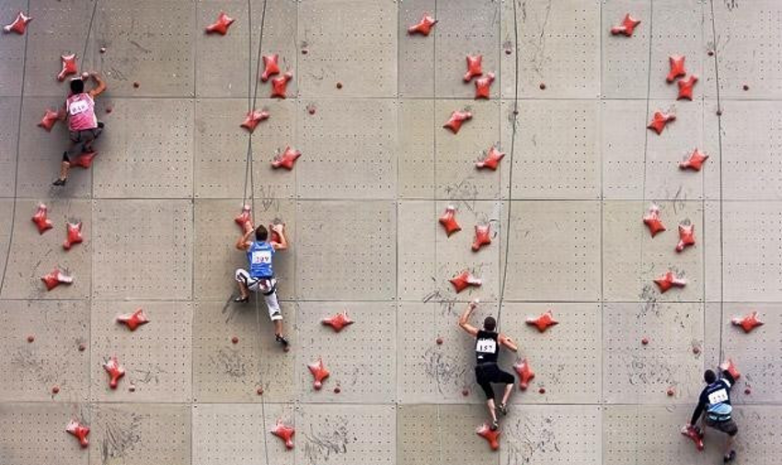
(483, 375)
(246, 284)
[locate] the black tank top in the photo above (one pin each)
(486, 347)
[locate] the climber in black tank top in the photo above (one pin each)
(487, 351)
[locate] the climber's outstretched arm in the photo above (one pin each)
(464, 320)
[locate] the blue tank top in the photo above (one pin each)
(260, 257)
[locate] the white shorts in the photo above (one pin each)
(267, 287)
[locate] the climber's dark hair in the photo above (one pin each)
(709, 376)
(261, 233)
(489, 323)
(77, 86)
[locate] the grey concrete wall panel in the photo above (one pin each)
(156, 356)
(33, 255)
(34, 433)
(216, 231)
(417, 442)
(559, 46)
(416, 149)
(346, 434)
(416, 267)
(348, 150)
(712, 252)
(625, 60)
(139, 434)
(150, 43)
(228, 372)
(416, 62)
(152, 241)
(555, 250)
(361, 358)
(12, 54)
(9, 136)
(362, 269)
(365, 67)
(466, 448)
(456, 176)
(6, 222)
(557, 149)
(31, 369)
(225, 64)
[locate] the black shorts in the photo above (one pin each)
(488, 374)
(728, 427)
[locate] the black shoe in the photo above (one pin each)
(281, 340)
(730, 457)
(59, 182)
(242, 300)
(503, 409)
(494, 426)
(101, 125)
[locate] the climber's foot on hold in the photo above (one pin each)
(503, 409)
(60, 182)
(494, 426)
(242, 299)
(730, 457)
(281, 339)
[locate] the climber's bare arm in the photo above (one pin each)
(464, 320)
(508, 343)
(244, 242)
(280, 230)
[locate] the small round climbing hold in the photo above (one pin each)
(109, 109)
(304, 51)
(286, 348)
(136, 85)
(719, 112)
(696, 350)
(30, 338)
(235, 340)
(337, 390)
(670, 392)
(82, 347)
(711, 53)
(508, 51)
(542, 390)
(645, 341)
(745, 87)
(465, 392)
(259, 391)
(311, 109)
(55, 389)
(339, 85)
(103, 50)
(747, 390)
(542, 86)
(439, 341)
(132, 388)
(516, 112)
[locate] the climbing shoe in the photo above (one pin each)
(730, 457)
(281, 340)
(503, 409)
(59, 182)
(494, 426)
(242, 300)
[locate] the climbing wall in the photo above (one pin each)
(577, 172)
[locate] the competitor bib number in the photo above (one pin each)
(718, 397)
(78, 107)
(262, 257)
(486, 346)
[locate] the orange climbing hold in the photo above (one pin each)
(337, 322)
(492, 160)
(483, 86)
(319, 373)
(747, 322)
(669, 280)
(493, 437)
(660, 120)
(686, 86)
(695, 162)
(731, 368)
(448, 220)
(525, 373)
(133, 320)
(55, 278)
(221, 25)
(41, 219)
(74, 235)
(695, 435)
(652, 220)
(677, 67)
(284, 432)
(79, 431)
(244, 218)
(465, 280)
(84, 160)
(68, 67)
(270, 67)
(115, 371)
(482, 236)
(686, 236)
(280, 85)
(454, 123)
(473, 67)
(287, 159)
(543, 322)
(19, 25)
(253, 118)
(49, 119)
(626, 27)
(424, 27)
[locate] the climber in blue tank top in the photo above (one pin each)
(260, 256)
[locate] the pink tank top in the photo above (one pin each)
(81, 112)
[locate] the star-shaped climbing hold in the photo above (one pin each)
(280, 85)
(697, 437)
(319, 373)
(253, 118)
(492, 159)
(284, 432)
(669, 280)
(74, 235)
(221, 25)
(483, 86)
(660, 120)
(68, 66)
(133, 320)
(543, 322)
(115, 371)
(464, 280)
(685, 87)
(286, 159)
(448, 220)
(686, 236)
(695, 162)
(55, 278)
(747, 322)
(84, 160)
(424, 27)
(41, 219)
(525, 373)
(270, 67)
(473, 67)
(677, 67)
(482, 236)
(79, 431)
(626, 27)
(454, 123)
(493, 437)
(652, 220)
(19, 25)
(243, 218)
(337, 322)
(49, 119)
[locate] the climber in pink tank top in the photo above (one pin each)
(83, 125)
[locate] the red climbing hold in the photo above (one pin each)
(84, 160)
(286, 159)
(483, 86)
(74, 235)
(482, 236)
(253, 118)
(492, 437)
(133, 320)
(55, 278)
(669, 280)
(270, 67)
(284, 432)
(473, 67)
(677, 67)
(244, 218)
(670, 392)
(525, 373)
(31, 338)
(542, 390)
(115, 371)
(465, 280)
(694, 434)
(492, 160)
(627, 27)
(685, 87)
(337, 390)
(747, 390)
(41, 219)
(79, 431)
(439, 341)
(454, 123)
(660, 120)
(338, 321)
(49, 119)
(653, 222)
(19, 25)
(747, 322)
(730, 367)
(319, 373)
(221, 25)
(448, 220)
(465, 392)
(543, 322)
(68, 66)
(645, 341)
(234, 340)
(55, 389)
(424, 27)
(686, 236)
(280, 85)
(695, 162)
